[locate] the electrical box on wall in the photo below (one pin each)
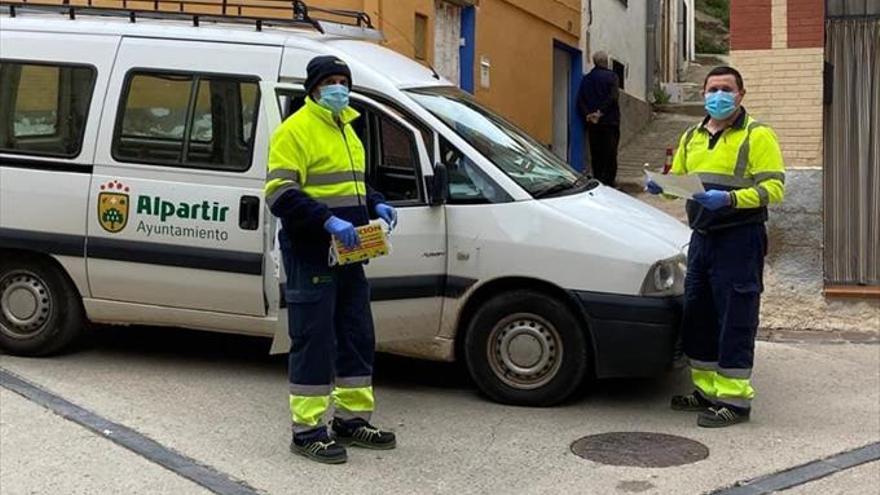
(485, 69)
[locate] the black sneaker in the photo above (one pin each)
(359, 433)
(693, 402)
(719, 417)
(324, 450)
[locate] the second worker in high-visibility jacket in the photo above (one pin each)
(316, 186)
(740, 164)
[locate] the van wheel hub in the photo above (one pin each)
(25, 305)
(525, 351)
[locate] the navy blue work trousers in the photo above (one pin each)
(329, 319)
(722, 298)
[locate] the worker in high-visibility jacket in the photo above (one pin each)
(316, 187)
(740, 164)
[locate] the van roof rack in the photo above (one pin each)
(295, 13)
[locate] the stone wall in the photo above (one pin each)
(793, 296)
(778, 45)
(635, 115)
(793, 278)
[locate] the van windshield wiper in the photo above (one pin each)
(583, 182)
(554, 189)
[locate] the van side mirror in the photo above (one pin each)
(438, 185)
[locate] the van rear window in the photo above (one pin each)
(44, 107)
(187, 120)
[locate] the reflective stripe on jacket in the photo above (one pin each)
(745, 159)
(317, 169)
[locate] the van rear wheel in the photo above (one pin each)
(40, 310)
(526, 348)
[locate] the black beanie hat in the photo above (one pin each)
(323, 67)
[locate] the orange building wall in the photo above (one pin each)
(520, 49)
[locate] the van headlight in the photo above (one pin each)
(666, 277)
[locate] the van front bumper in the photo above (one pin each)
(632, 335)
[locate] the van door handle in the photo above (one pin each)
(249, 213)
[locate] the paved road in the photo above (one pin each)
(221, 401)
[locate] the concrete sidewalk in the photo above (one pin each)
(44, 453)
(221, 401)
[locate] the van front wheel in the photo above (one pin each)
(526, 348)
(40, 310)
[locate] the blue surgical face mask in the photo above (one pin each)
(720, 104)
(334, 97)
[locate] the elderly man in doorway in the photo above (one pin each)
(598, 103)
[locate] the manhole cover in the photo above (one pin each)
(640, 449)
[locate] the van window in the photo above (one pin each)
(396, 173)
(249, 97)
(290, 103)
(202, 130)
(467, 183)
(392, 159)
(44, 107)
(532, 166)
(397, 110)
(187, 120)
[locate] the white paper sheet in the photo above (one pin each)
(682, 186)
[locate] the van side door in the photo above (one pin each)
(176, 202)
(408, 286)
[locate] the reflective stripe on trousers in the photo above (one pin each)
(720, 321)
(716, 387)
(353, 398)
(332, 339)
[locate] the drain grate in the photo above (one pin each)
(640, 449)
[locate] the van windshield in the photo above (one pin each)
(523, 159)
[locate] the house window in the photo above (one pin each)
(620, 69)
(421, 37)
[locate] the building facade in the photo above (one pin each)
(619, 29)
(812, 72)
(521, 58)
(650, 42)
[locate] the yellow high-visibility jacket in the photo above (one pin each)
(745, 159)
(317, 168)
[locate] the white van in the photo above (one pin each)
(132, 161)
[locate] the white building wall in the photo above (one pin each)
(691, 21)
(619, 30)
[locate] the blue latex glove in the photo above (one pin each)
(387, 213)
(713, 199)
(653, 188)
(344, 231)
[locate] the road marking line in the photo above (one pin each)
(124, 436)
(805, 473)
